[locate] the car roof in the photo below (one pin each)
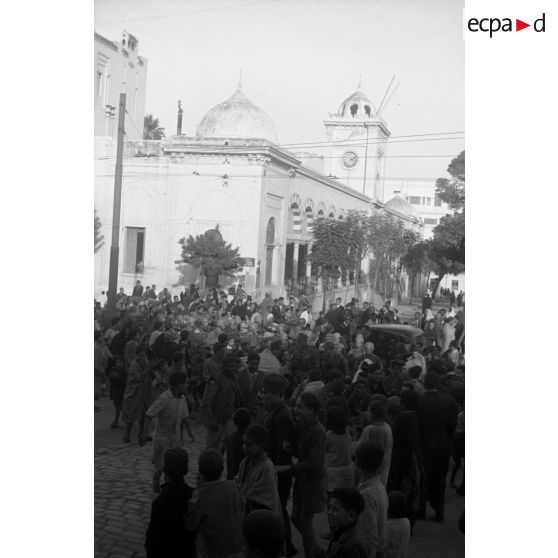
(396, 328)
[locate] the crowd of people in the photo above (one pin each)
(295, 408)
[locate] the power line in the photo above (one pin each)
(256, 177)
(131, 157)
(190, 12)
(360, 140)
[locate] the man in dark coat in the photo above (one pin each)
(426, 302)
(280, 426)
(437, 418)
(138, 289)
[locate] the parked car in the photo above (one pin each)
(394, 340)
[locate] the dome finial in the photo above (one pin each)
(359, 81)
(240, 81)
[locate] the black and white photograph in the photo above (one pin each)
(279, 274)
(278, 278)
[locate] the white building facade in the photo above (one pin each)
(233, 177)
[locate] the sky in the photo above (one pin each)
(300, 59)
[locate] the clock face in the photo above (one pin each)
(349, 159)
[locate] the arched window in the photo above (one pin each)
(270, 231)
(354, 109)
(331, 211)
(295, 201)
(367, 110)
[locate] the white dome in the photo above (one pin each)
(237, 117)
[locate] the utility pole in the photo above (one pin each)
(365, 159)
(114, 245)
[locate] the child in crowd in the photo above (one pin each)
(256, 476)
(264, 534)
(167, 534)
(398, 526)
(233, 442)
(219, 510)
(345, 507)
(340, 472)
(369, 458)
(170, 410)
(117, 377)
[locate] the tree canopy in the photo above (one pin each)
(212, 254)
(452, 191)
(334, 247)
(99, 238)
(340, 245)
(151, 128)
(447, 247)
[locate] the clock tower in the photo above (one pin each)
(357, 138)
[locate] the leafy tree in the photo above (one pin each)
(99, 238)
(389, 243)
(340, 246)
(452, 191)
(447, 247)
(334, 250)
(417, 262)
(212, 254)
(151, 128)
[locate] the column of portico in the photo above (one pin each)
(296, 245)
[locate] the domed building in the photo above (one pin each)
(231, 176)
(237, 117)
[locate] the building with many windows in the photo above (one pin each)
(119, 69)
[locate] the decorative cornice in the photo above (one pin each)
(358, 124)
(106, 41)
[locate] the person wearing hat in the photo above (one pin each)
(264, 534)
(270, 358)
(344, 509)
(281, 427)
(416, 359)
(167, 533)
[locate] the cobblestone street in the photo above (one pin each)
(123, 496)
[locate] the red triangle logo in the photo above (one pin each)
(519, 25)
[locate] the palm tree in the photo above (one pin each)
(151, 128)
